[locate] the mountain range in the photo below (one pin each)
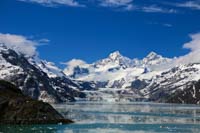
(115, 78)
(117, 71)
(153, 78)
(37, 78)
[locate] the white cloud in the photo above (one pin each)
(190, 4)
(72, 64)
(125, 5)
(195, 43)
(20, 44)
(53, 3)
(75, 62)
(157, 9)
(116, 3)
(44, 41)
(130, 6)
(167, 25)
(194, 55)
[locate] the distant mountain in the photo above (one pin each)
(115, 78)
(37, 78)
(152, 78)
(116, 70)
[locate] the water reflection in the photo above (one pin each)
(132, 113)
(97, 117)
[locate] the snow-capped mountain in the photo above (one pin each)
(48, 67)
(116, 70)
(152, 78)
(115, 59)
(114, 78)
(37, 78)
(170, 83)
(153, 59)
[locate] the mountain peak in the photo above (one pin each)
(154, 59)
(153, 55)
(115, 55)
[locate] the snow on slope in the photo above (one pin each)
(7, 69)
(177, 78)
(154, 78)
(117, 70)
(37, 78)
(48, 67)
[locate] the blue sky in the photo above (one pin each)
(91, 29)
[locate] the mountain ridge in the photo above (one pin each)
(116, 76)
(38, 82)
(113, 66)
(153, 78)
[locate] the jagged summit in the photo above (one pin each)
(115, 67)
(113, 59)
(153, 55)
(115, 55)
(154, 59)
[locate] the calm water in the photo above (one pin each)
(93, 117)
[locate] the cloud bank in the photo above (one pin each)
(194, 55)
(20, 44)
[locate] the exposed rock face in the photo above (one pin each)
(37, 78)
(172, 83)
(191, 95)
(15, 108)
